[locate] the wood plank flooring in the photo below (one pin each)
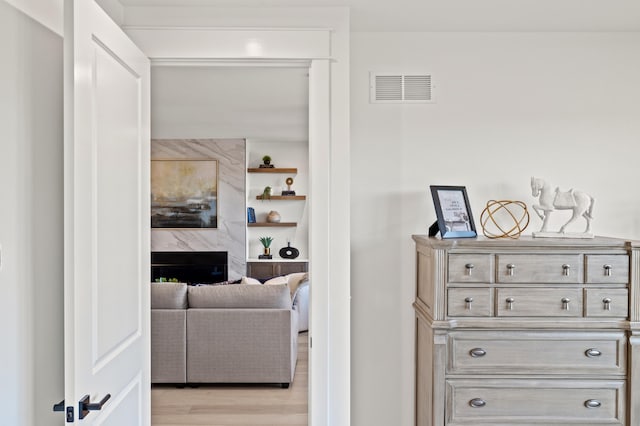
(234, 405)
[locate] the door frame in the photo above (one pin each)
(329, 174)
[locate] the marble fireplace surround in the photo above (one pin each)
(230, 234)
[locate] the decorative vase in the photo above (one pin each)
(273, 217)
(267, 251)
(289, 252)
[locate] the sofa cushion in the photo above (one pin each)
(168, 296)
(250, 281)
(277, 280)
(240, 296)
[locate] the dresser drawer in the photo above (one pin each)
(469, 302)
(536, 352)
(607, 303)
(539, 302)
(470, 268)
(535, 402)
(525, 268)
(602, 268)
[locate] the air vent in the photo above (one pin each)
(401, 88)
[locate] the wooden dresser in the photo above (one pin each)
(527, 332)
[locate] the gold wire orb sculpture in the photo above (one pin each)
(501, 219)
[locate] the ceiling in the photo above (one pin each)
(458, 15)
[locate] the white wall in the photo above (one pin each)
(266, 103)
(31, 217)
(562, 106)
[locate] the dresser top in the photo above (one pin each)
(525, 242)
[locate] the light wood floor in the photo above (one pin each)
(233, 405)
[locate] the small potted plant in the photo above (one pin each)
(266, 193)
(266, 243)
(266, 161)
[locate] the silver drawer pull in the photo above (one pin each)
(592, 353)
(479, 403)
(592, 403)
(510, 301)
(565, 303)
(565, 269)
(467, 301)
(477, 352)
(607, 270)
(607, 303)
(510, 269)
(469, 267)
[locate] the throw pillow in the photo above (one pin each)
(249, 280)
(277, 280)
(297, 278)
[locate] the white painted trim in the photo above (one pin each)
(233, 62)
(128, 28)
(223, 43)
(329, 363)
(319, 243)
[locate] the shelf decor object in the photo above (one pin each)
(251, 215)
(289, 252)
(266, 163)
(273, 217)
(289, 192)
(266, 243)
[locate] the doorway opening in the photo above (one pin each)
(268, 107)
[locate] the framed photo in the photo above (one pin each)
(453, 211)
(184, 193)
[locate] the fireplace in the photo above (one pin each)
(191, 267)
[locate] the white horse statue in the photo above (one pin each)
(551, 198)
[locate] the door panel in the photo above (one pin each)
(107, 271)
(117, 92)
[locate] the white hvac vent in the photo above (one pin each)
(401, 88)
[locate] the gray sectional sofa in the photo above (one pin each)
(223, 334)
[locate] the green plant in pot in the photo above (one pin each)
(266, 193)
(266, 243)
(266, 160)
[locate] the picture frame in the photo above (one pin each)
(453, 212)
(184, 193)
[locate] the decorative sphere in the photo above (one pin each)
(504, 219)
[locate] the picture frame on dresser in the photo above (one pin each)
(453, 212)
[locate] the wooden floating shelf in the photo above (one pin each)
(272, 224)
(282, 197)
(272, 170)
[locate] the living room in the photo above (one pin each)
(545, 89)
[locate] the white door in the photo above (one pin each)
(107, 222)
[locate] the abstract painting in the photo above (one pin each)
(184, 193)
